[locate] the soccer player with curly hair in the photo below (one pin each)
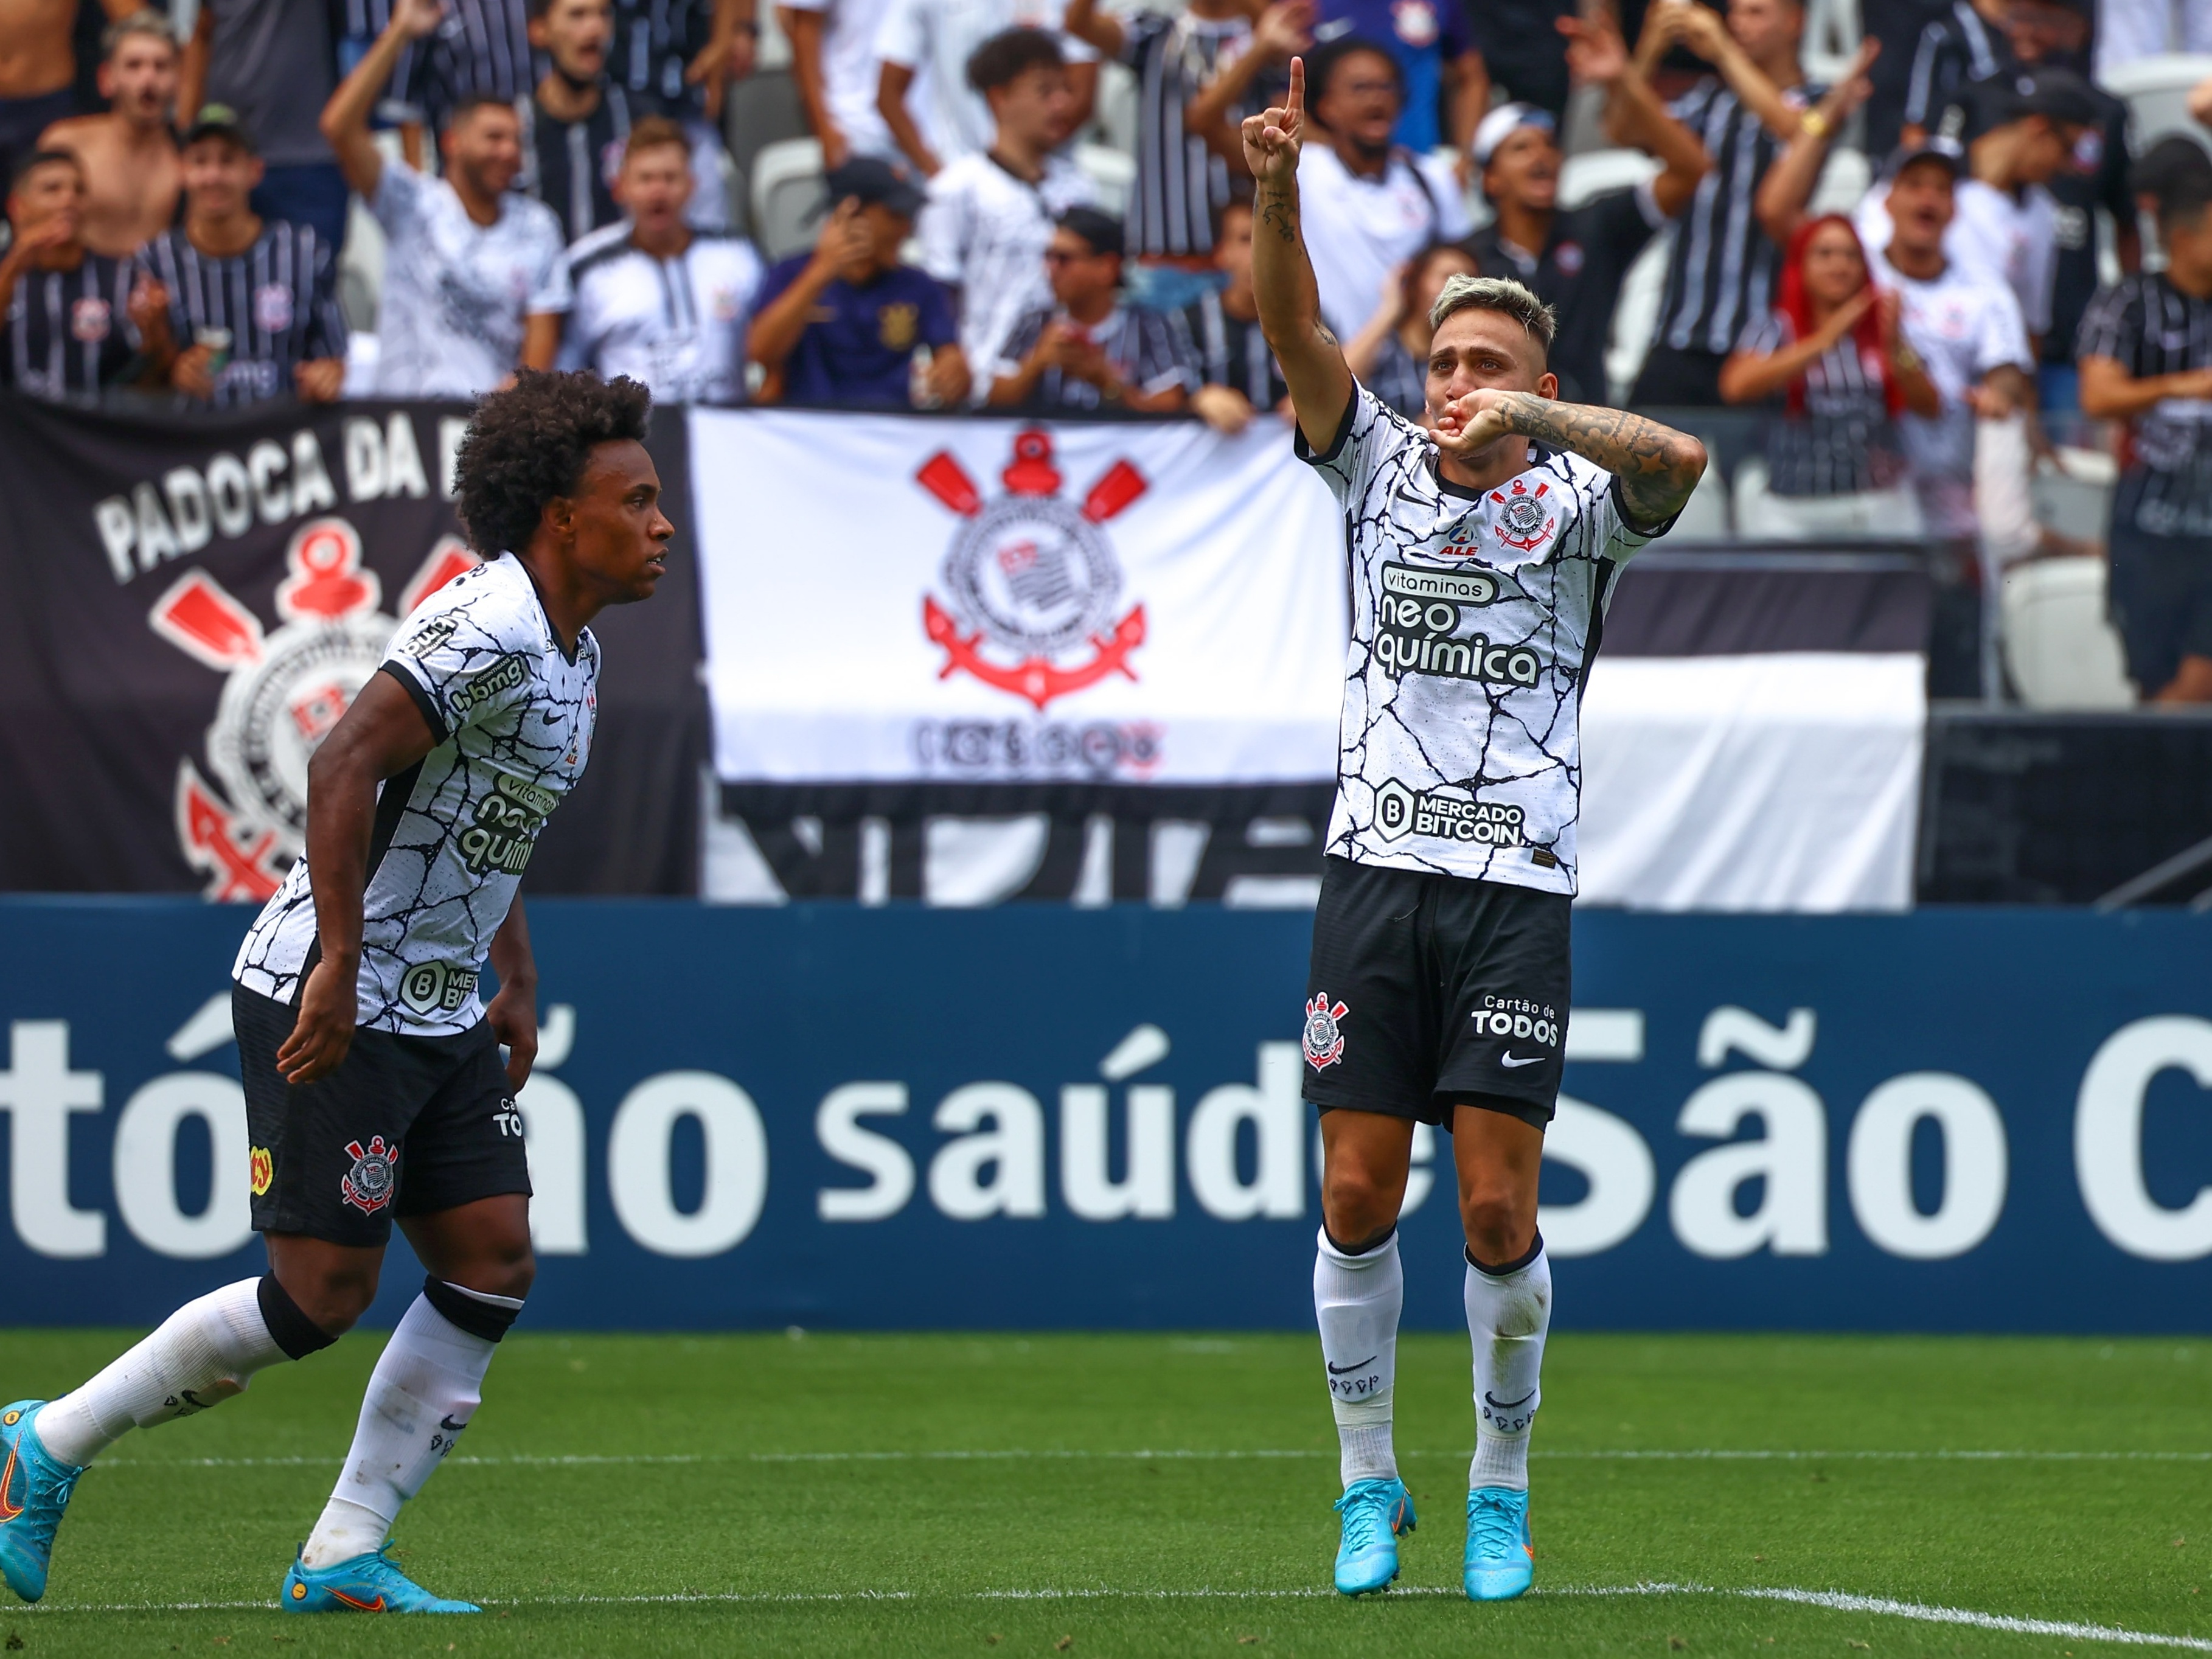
(374, 1088)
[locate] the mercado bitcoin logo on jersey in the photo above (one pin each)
(284, 691)
(1031, 581)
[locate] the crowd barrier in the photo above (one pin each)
(1034, 1116)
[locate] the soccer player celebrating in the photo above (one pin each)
(1480, 560)
(373, 1084)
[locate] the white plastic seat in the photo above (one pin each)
(2060, 651)
(1111, 172)
(787, 194)
(1594, 171)
(2157, 91)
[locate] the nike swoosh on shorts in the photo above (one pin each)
(1517, 1061)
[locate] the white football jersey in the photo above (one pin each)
(456, 293)
(513, 714)
(1474, 619)
(676, 327)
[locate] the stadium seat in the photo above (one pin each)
(2058, 648)
(1637, 313)
(764, 110)
(1114, 120)
(1843, 182)
(2156, 92)
(361, 261)
(2076, 499)
(1113, 172)
(1597, 170)
(786, 179)
(1706, 518)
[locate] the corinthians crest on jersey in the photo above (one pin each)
(513, 717)
(1474, 616)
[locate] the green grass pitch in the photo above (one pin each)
(822, 1493)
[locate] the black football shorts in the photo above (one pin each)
(1426, 990)
(405, 1126)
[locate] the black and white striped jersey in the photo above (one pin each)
(513, 714)
(2151, 328)
(1956, 50)
(69, 331)
(278, 301)
(481, 47)
(654, 43)
(570, 165)
(1842, 443)
(1721, 270)
(1232, 351)
(1182, 182)
(1147, 349)
(1474, 617)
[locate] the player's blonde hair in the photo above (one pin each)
(1500, 294)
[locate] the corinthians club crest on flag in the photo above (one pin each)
(1032, 577)
(284, 692)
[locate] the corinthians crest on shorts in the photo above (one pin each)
(284, 692)
(375, 1177)
(1324, 1036)
(1031, 579)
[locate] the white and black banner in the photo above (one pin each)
(891, 600)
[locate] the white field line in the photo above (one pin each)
(1691, 1455)
(1831, 1600)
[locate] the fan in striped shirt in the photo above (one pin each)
(68, 311)
(1238, 374)
(2146, 356)
(1198, 76)
(1967, 43)
(255, 298)
(481, 48)
(1092, 350)
(1720, 272)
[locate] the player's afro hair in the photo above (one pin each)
(530, 443)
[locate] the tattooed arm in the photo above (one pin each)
(1282, 276)
(1657, 466)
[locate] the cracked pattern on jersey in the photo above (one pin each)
(518, 718)
(1459, 744)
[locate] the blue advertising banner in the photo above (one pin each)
(1036, 1117)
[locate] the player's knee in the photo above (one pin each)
(334, 1299)
(1499, 1225)
(1357, 1207)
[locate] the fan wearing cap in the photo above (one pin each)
(846, 323)
(2025, 133)
(1959, 323)
(1090, 350)
(654, 299)
(2146, 355)
(1576, 258)
(252, 309)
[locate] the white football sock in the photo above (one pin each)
(1507, 1315)
(204, 1354)
(1357, 1301)
(426, 1386)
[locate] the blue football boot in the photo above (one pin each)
(368, 1584)
(34, 1490)
(1500, 1560)
(1374, 1512)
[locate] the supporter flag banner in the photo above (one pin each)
(187, 608)
(935, 605)
(1040, 1116)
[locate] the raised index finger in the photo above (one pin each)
(1295, 104)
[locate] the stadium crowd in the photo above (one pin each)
(178, 220)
